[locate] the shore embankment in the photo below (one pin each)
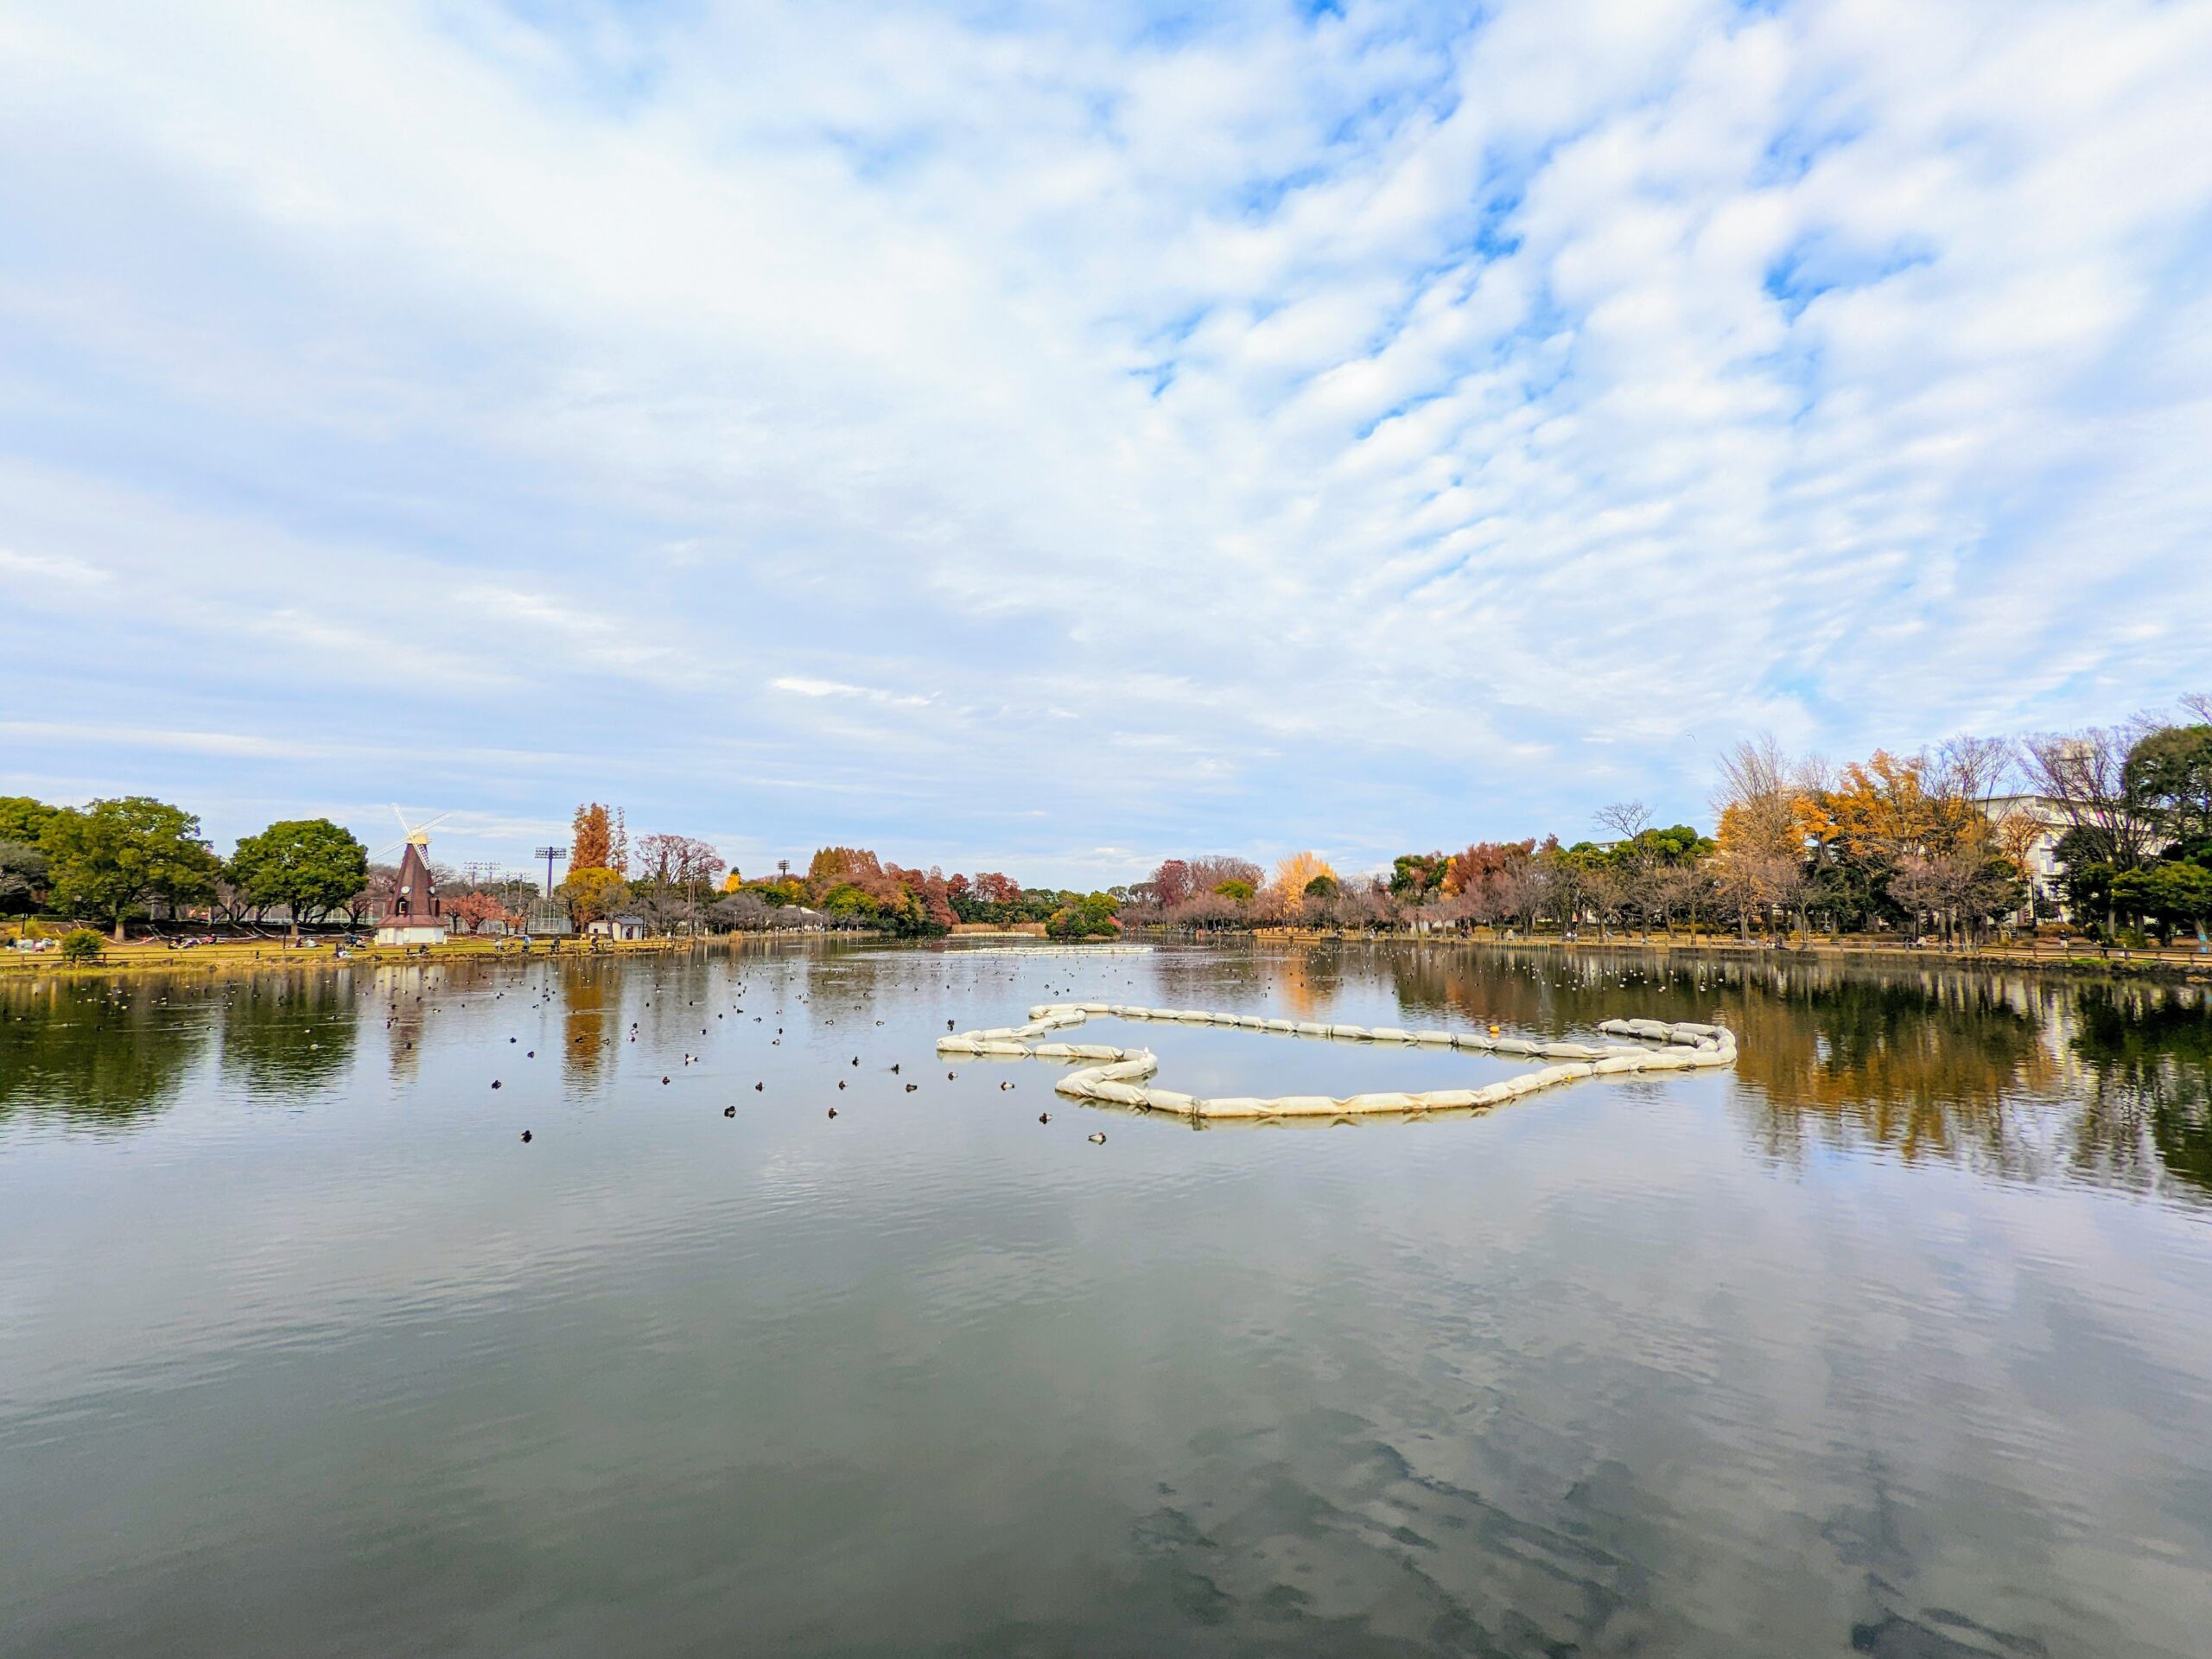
(2074, 957)
(278, 954)
(272, 955)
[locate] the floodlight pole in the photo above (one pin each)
(549, 854)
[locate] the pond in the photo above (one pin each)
(1896, 1338)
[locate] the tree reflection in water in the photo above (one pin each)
(2022, 1075)
(1942, 1067)
(97, 1052)
(2147, 1050)
(591, 999)
(288, 1035)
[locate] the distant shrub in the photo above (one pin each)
(82, 944)
(1090, 917)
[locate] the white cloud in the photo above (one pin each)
(29, 571)
(799, 686)
(1346, 417)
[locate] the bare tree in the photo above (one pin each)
(1686, 888)
(1755, 776)
(2083, 775)
(1638, 873)
(1520, 891)
(1204, 909)
(1762, 856)
(1626, 819)
(679, 869)
(1209, 872)
(1973, 769)
(1919, 886)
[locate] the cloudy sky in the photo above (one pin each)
(1047, 437)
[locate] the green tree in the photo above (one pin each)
(309, 864)
(2174, 895)
(1414, 876)
(113, 856)
(23, 820)
(848, 903)
(2169, 779)
(1090, 917)
(22, 877)
(1676, 844)
(2087, 882)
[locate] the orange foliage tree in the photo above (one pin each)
(1761, 841)
(593, 893)
(1284, 896)
(594, 846)
(832, 868)
(1919, 829)
(1889, 808)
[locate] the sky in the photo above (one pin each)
(1051, 438)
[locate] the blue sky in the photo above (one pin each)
(1050, 438)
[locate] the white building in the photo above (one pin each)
(2041, 849)
(2040, 852)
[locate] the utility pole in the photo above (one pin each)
(549, 854)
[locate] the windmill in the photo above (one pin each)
(416, 916)
(416, 835)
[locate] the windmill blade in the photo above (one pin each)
(405, 828)
(380, 852)
(425, 826)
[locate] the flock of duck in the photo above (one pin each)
(544, 998)
(1110, 1075)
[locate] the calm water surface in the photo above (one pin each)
(1898, 1340)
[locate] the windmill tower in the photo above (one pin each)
(415, 916)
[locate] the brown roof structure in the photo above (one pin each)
(415, 897)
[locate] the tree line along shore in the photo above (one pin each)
(2102, 836)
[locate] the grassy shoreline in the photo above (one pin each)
(2186, 966)
(266, 956)
(270, 954)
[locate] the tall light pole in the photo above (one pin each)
(549, 854)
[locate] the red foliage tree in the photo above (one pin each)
(475, 908)
(930, 887)
(1171, 884)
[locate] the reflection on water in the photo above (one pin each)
(2022, 1074)
(1896, 1339)
(2148, 1056)
(284, 1035)
(97, 1053)
(589, 1001)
